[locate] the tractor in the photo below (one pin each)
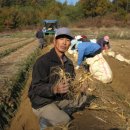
(50, 27)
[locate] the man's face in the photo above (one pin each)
(62, 44)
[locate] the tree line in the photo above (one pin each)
(29, 13)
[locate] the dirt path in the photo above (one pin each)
(110, 111)
(25, 119)
(121, 77)
(122, 47)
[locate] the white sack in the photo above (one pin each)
(99, 68)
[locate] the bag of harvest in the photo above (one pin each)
(99, 68)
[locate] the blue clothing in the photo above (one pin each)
(86, 49)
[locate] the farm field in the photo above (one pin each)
(109, 111)
(15, 59)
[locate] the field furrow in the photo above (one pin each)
(9, 65)
(10, 41)
(13, 47)
(7, 39)
(15, 44)
(14, 69)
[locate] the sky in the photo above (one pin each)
(70, 2)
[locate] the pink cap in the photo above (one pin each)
(106, 38)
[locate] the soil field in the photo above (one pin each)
(110, 110)
(14, 60)
(15, 54)
(15, 44)
(7, 41)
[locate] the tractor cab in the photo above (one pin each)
(50, 27)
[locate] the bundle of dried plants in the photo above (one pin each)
(77, 86)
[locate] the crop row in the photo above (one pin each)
(4, 40)
(13, 45)
(11, 63)
(11, 41)
(14, 75)
(7, 50)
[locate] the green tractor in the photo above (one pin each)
(50, 27)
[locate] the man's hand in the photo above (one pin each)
(61, 88)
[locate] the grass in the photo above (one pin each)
(94, 32)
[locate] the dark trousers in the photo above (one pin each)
(85, 65)
(94, 54)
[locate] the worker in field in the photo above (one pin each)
(104, 43)
(86, 50)
(46, 95)
(40, 37)
(72, 49)
(91, 58)
(74, 42)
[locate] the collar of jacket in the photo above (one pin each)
(55, 58)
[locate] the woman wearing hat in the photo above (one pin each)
(104, 43)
